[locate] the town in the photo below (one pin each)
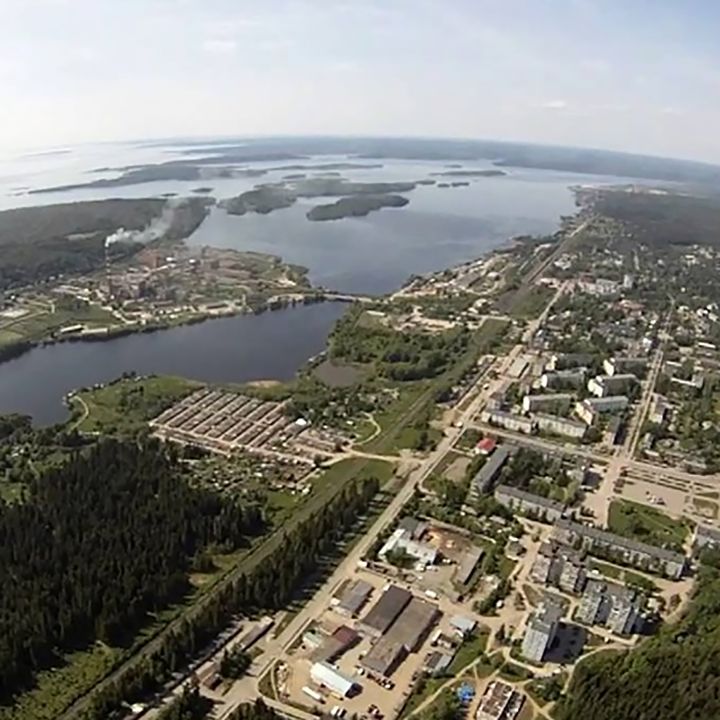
(541, 426)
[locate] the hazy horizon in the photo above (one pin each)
(639, 78)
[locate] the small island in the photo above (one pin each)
(356, 206)
(264, 199)
(470, 173)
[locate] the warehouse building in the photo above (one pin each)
(352, 597)
(385, 611)
(335, 644)
(405, 636)
(468, 562)
(527, 503)
(328, 676)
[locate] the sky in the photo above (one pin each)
(635, 75)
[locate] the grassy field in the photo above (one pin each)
(126, 405)
(646, 524)
(42, 324)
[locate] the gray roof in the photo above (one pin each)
(612, 539)
(489, 471)
(559, 419)
(547, 615)
(609, 400)
(383, 613)
(355, 595)
(530, 497)
(711, 533)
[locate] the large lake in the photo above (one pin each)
(371, 255)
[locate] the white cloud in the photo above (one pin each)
(555, 105)
(220, 47)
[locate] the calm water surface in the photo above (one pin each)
(273, 345)
(372, 255)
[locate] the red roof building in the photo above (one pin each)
(486, 445)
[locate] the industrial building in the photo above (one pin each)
(556, 425)
(385, 611)
(560, 566)
(641, 555)
(606, 385)
(490, 471)
(500, 702)
(328, 676)
(530, 504)
(551, 403)
(401, 540)
(467, 564)
(509, 421)
(334, 645)
(614, 606)
(590, 409)
(541, 630)
(404, 636)
(351, 598)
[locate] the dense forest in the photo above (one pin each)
(293, 560)
(40, 242)
(396, 355)
(99, 542)
(663, 219)
(675, 674)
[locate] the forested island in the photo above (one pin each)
(263, 200)
(357, 206)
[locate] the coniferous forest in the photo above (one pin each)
(292, 560)
(102, 541)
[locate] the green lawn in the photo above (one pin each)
(469, 651)
(58, 687)
(646, 524)
(127, 405)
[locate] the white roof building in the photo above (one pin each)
(329, 676)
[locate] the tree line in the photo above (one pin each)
(100, 542)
